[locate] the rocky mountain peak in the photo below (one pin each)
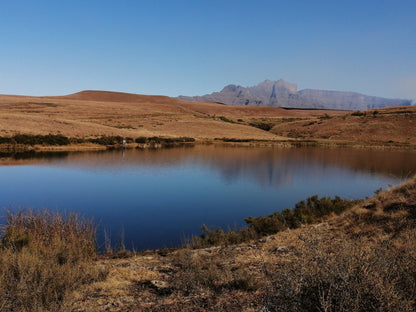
(281, 93)
(230, 88)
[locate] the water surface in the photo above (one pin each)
(158, 197)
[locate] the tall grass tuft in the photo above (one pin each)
(43, 256)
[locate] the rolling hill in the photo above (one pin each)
(101, 113)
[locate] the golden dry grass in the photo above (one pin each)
(388, 125)
(97, 113)
(44, 256)
(104, 113)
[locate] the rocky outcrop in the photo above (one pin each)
(284, 94)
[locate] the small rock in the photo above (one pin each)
(160, 287)
(279, 249)
(159, 284)
(268, 239)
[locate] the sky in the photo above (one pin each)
(195, 47)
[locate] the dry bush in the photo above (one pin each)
(347, 275)
(390, 211)
(199, 272)
(43, 256)
(309, 211)
(218, 237)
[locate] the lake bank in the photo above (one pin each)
(8, 149)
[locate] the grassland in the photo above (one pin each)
(89, 115)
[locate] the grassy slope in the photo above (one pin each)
(393, 125)
(96, 113)
(105, 113)
(362, 260)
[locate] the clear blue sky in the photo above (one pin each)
(196, 47)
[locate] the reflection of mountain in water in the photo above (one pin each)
(269, 167)
(266, 171)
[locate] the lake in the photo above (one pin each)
(156, 198)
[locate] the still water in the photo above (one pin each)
(156, 198)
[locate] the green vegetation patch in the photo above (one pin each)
(326, 116)
(25, 139)
(163, 141)
(225, 119)
(234, 140)
(107, 140)
(358, 113)
(262, 125)
(309, 211)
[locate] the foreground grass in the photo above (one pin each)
(44, 256)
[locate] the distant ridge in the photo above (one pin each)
(284, 94)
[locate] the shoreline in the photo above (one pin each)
(11, 149)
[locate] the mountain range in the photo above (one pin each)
(281, 93)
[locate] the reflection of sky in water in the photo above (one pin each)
(157, 200)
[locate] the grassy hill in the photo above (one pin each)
(100, 113)
(391, 125)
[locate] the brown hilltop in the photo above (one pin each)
(111, 96)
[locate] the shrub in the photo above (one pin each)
(164, 141)
(225, 119)
(5, 140)
(325, 116)
(312, 210)
(43, 256)
(358, 113)
(233, 140)
(262, 125)
(218, 237)
(141, 140)
(77, 140)
(107, 140)
(25, 139)
(198, 272)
